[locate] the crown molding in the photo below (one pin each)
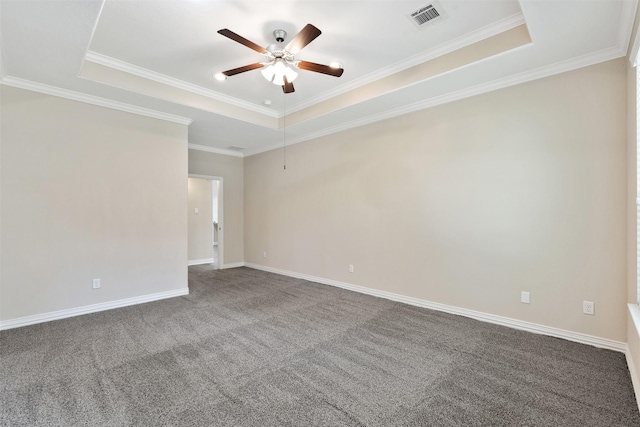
(466, 40)
(215, 150)
(94, 100)
(629, 13)
(627, 18)
(546, 71)
(173, 82)
(93, 33)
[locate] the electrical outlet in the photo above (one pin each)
(350, 268)
(588, 307)
(96, 283)
(525, 297)
(264, 254)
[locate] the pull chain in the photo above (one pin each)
(284, 130)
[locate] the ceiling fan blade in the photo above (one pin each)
(319, 68)
(238, 38)
(287, 87)
(303, 38)
(239, 70)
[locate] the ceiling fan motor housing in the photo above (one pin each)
(280, 35)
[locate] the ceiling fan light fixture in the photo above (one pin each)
(268, 72)
(336, 65)
(220, 77)
(276, 71)
(290, 74)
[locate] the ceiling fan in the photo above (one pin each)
(277, 68)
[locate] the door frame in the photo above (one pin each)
(220, 214)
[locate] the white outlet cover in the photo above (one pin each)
(96, 283)
(588, 307)
(525, 297)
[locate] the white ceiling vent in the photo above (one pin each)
(236, 148)
(430, 13)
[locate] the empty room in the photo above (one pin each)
(319, 213)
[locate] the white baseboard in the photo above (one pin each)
(485, 317)
(200, 261)
(233, 265)
(93, 308)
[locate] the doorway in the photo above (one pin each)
(205, 221)
(216, 222)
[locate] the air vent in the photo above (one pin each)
(236, 148)
(427, 14)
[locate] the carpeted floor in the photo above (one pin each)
(249, 348)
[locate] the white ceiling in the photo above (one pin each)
(158, 57)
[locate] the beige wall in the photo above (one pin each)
(632, 284)
(465, 204)
(201, 223)
(632, 137)
(88, 192)
(230, 168)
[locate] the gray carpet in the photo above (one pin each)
(249, 348)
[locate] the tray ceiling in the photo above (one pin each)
(158, 58)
